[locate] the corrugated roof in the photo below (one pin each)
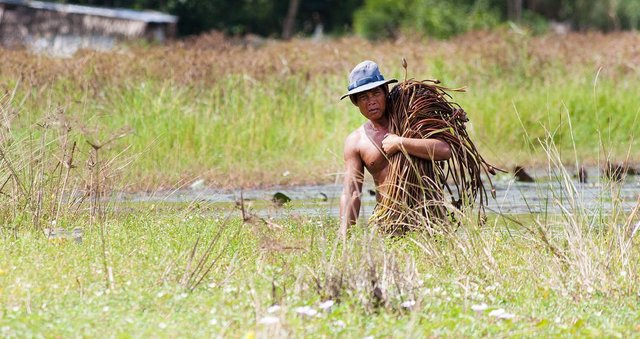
(119, 13)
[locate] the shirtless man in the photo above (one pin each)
(364, 147)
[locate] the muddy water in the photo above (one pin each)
(548, 196)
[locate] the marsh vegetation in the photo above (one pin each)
(148, 117)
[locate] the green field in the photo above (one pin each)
(451, 285)
(147, 118)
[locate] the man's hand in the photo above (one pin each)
(391, 144)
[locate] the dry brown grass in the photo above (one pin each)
(204, 60)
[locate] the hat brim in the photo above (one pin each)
(367, 87)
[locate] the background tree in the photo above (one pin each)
(381, 18)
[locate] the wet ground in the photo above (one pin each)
(547, 195)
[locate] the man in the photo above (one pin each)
(371, 144)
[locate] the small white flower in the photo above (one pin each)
(273, 309)
(54, 222)
(501, 314)
(326, 305)
(105, 309)
(590, 290)
(479, 308)
(497, 312)
(269, 320)
(339, 324)
(368, 337)
(229, 289)
(286, 173)
(306, 310)
(213, 321)
(623, 273)
(160, 295)
(408, 304)
(557, 320)
(162, 326)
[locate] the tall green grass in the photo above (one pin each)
(272, 116)
(574, 273)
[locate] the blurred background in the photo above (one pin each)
(374, 19)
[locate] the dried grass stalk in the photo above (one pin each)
(417, 191)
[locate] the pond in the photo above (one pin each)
(548, 195)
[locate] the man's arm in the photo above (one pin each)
(352, 186)
(429, 149)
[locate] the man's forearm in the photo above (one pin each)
(430, 149)
(349, 210)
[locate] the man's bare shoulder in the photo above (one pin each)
(355, 136)
(353, 141)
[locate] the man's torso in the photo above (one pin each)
(370, 148)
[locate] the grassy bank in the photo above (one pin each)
(262, 278)
(244, 115)
(198, 269)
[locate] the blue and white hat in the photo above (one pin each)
(365, 76)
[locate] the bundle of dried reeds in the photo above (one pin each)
(417, 190)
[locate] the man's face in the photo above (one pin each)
(372, 103)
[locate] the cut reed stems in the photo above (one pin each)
(417, 189)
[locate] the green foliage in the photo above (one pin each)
(255, 16)
(385, 19)
(444, 19)
(263, 17)
(629, 12)
(535, 22)
(380, 19)
(606, 15)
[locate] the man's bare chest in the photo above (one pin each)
(371, 151)
(373, 160)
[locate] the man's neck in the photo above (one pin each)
(379, 124)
